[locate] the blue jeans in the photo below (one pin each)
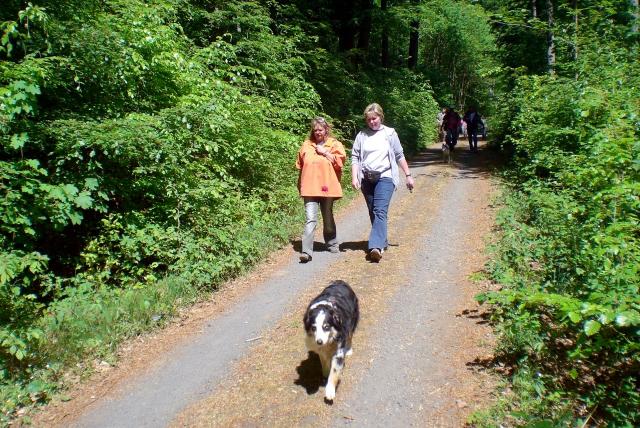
(328, 223)
(451, 138)
(473, 138)
(378, 197)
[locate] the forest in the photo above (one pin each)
(147, 152)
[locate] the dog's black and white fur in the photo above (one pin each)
(330, 321)
(447, 155)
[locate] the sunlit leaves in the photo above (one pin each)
(569, 252)
(152, 140)
(591, 327)
(17, 99)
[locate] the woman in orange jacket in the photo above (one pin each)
(320, 161)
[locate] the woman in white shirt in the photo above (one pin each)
(376, 159)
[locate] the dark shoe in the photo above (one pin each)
(304, 258)
(375, 255)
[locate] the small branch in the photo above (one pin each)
(586, 421)
(514, 24)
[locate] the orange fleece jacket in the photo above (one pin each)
(319, 177)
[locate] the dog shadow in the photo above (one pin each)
(310, 374)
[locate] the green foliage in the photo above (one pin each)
(147, 154)
(459, 53)
(568, 254)
(134, 158)
(348, 81)
(94, 320)
(408, 104)
(410, 108)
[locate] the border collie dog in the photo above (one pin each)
(330, 321)
(447, 156)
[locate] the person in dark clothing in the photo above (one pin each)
(473, 120)
(450, 126)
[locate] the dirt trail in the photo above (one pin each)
(239, 360)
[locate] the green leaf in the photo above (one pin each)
(70, 189)
(91, 183)
(574, 317)
(18, 140)
(33, 163)
(35, 387)
(32, 89)
(591, 327)
(57, 193)
(628, 318)
(75, 217)
(84, 200)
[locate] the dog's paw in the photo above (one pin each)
(330, 393)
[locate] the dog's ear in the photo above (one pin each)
(306, 320)
(335, 316)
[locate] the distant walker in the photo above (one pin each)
(474, 123)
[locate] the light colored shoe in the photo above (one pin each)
(333, 249)
(375, 255)
(304, 258)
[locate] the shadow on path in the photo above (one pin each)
(296, 244)
(466, 164)
(310, 374)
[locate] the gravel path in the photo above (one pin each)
(239, 360)
(421, 327)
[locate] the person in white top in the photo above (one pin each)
(376, 159)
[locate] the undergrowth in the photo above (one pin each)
(567, 316)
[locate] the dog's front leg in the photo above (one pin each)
(337, 363)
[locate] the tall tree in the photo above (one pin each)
(384, 56)
(575, 29)
(345, 11)
(412, 61)
(414, 35)
(551, 43)
(364, 36)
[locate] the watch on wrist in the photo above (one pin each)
(408, 175)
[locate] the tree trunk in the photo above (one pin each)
(634, 13)
(534, 8)
(364, 35)
(346, 28)
(575, 36)
(551, 46)
(385, 36)
(413, 44)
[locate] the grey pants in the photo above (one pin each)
(328, 223)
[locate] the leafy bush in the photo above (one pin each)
(147, 153)
(133, 158)
(568, 255)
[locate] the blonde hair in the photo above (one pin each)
(374, 108)
(322, 122)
